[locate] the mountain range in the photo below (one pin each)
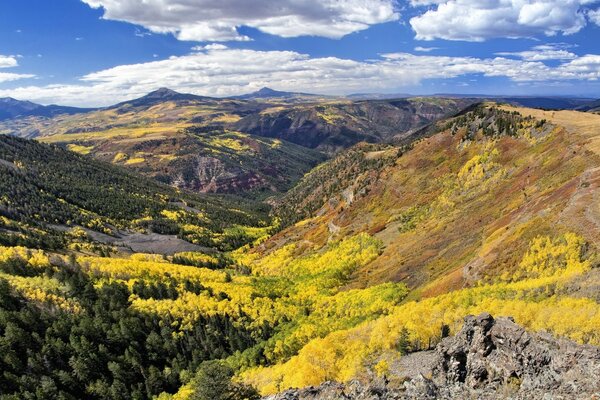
(11, 108)
(248, 147)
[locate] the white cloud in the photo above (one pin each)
(211, 46)
(7, 77)
(594, 16)
(9, 62)
(472, 20)
(224, 72)
(209, 20)
(543, 53)
(425, 49)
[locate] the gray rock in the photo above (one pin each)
(488, 359)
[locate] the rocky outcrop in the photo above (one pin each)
(488, 359)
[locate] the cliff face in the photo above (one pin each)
(488, 359)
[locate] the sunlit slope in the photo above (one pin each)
(497, 211)
(492, 211)
(216, 161)
(179, 141)
(464, 203)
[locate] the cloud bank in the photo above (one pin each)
(209, 20)
(220, 71)
(479, 20)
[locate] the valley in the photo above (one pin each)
(252, 146)
(285, 240)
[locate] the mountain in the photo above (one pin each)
(11, 108)
(161, 95)
(400, 195)
(246, 147)
(367, 265)
(335, 125)
(593, 107)
(268, 93)
(493, 210)
(46, 192)
(208, 161)
(179, 139)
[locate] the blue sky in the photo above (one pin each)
(98, 52)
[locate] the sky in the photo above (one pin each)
(100, 52)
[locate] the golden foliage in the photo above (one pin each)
(533, 299)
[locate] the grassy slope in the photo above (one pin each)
(465, 208)
(435, 218)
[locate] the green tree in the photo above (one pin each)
(213, 382)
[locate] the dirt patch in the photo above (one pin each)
(135, 242)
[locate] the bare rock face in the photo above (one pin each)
(336, 391)
(488, 359)
(491, 356)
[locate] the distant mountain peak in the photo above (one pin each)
(267, 92)
(162, 93)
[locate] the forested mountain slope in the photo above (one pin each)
(46, 192)
(331, 126)
(494, 210)
(498, 211)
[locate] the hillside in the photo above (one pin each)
(49, 195)
(253, 146)
(593, 107)
(432, 204)
(205, 161)
(333, 126)
(180, 140)
(496, 211)
(493, 210)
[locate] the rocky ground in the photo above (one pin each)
(488, 359)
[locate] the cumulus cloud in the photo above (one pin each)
(594, 16)
(543, 53)
(10, 62)
(211, 46)
(480, 20)
(208, 20)
(224, 72)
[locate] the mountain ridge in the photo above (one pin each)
(11, 108)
